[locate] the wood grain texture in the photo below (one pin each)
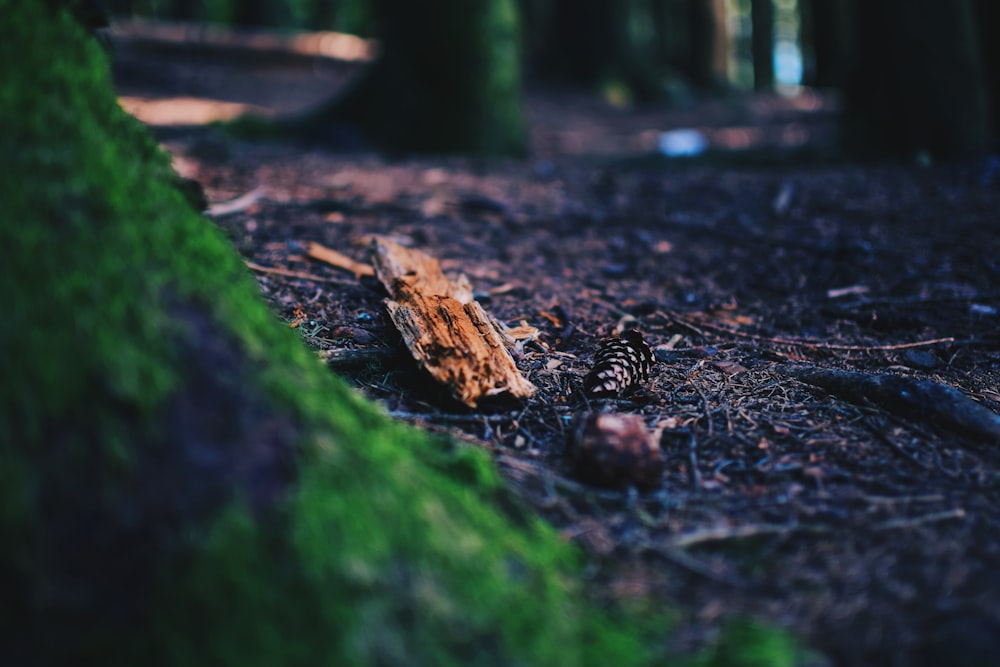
(446, 330)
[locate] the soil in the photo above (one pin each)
(871, 533)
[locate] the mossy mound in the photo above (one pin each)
(180, 481)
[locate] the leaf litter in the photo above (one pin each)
(870, 531)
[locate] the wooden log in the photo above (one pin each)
(446, 330)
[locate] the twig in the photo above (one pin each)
(723, 533)
(905, 500)
(295, 274)
(237, 205)
(783, 200)
(688, 562)
(839, 292)
(816, 345)
(693, 462)
(917, 300)
(896, 447)
(707, 407)
(457, 419)
(912, 522)
(344, 359)
(337, 259)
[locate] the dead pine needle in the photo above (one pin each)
(287, 273)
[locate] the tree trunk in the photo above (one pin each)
(448, 80)
(688, 34)
(828, 32)
(762, 20)
(321, 14)
(592, 42)
(180, 481)
(918, 84)
(705, 30)
(185, 10)
(579, 42)
(259, 13)
(988, 22)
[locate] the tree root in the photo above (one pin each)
(918, 400)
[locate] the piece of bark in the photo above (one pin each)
(918, 400)
(339, 260)
(446, 330)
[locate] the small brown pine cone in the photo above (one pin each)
(619, 365)
(615, 451)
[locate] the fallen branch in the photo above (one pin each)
(744, 531)
(920, 400)
(701, 327)
(446, 330)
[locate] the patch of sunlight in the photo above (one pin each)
(186, 110)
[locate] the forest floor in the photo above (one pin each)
(871, 531)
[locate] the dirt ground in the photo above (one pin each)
(873, 533)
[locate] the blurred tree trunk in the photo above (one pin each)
(321, 14)
(580, 41)
(988, 22)
(261, 13)
(448, 80)
(720, 55)
(184, 10)
(827, 35)
(689, 34)
(762, 19)
(592, 42)
(535, 16)
(705, 32)
(918, 84)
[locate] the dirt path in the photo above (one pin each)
(874, 534)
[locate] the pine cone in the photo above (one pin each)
(614, 451)
(620, 364)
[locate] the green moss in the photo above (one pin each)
(502, 27)
(384, 548)
(747, 643)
